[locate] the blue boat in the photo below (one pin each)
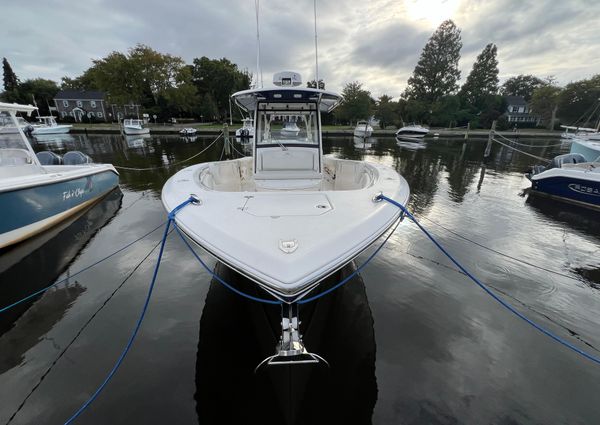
(571, 178)
(38, 192)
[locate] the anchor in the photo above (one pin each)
(290, 349)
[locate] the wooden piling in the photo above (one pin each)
(488, 147)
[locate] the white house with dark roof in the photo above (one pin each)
(518, 111)
(81, 105)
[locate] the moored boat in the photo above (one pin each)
(286, 217)
(363, 129)
(133, 126)
(571, 178)
(35, 196)
(413, 131)
(48, 125)
(246, 131)
(188, 131)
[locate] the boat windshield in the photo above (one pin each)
(287, 127)
(10, 138)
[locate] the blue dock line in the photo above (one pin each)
(488, 290)
(140, 319)
(41, 291)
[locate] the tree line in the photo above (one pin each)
(162, 84)
(434, 97)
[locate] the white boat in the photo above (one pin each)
(413, 131)
(48, 125)
(290, 128)
(582, 133)
(286, 217)
(133, 126)
(363, 129)
(247, 129)
(188, 131)
(36, 192)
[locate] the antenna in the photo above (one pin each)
(316, 46)
(258, 70)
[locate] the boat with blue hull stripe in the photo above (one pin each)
(583, 192)
(37, 193)
(30, 205)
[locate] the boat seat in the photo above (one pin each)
(292, 163)
(224, 176)
(350, 176)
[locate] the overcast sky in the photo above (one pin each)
(376, 42)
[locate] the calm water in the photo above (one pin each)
(411, 341)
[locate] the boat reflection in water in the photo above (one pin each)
(410, 143)
(42, 259)
(364, 143)
(136, 141)
(237, 334)
(54, 141)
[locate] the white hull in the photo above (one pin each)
(135, 130)
(363, 133)
(285, 235)
(412, 131)
(59, 129)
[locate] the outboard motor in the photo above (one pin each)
(569, 158)
(557, 162)
(49, 158)
(76, 158)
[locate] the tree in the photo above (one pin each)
(578, 101)
(483, 78)
(522, 85)
(40, 89)
(386, 111)
(437, 71)
(356, 105)
(544, 103)
(11, 82)
(219, 78)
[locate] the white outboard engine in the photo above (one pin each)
(76, 158)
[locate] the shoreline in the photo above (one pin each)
(213, 131)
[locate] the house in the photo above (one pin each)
(518, 111)
(81, 105)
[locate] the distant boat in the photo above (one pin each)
(132, 126)
(413, 131)
(363, 129)
(188, 131)
(40, 191)
(48, 125)
(582, 133)
(247, 129)
(290, 128)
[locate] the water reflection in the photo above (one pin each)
(233, 340)
(37, 262)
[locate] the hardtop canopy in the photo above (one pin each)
(248, 99)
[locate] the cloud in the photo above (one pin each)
(377, 43)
